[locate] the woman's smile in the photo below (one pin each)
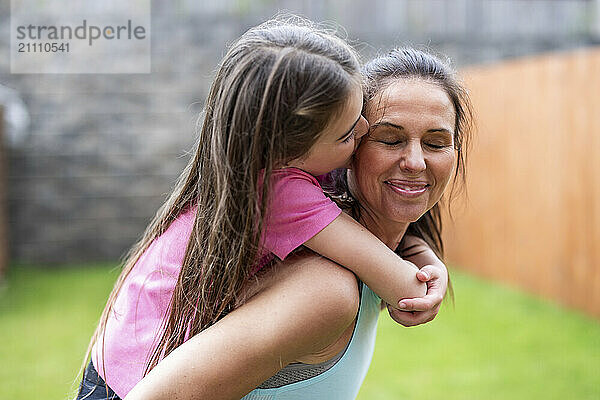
(407, 188)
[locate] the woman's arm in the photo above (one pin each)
(350, 244)
(301, 309)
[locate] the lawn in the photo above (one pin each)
(496, 343)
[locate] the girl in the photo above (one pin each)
(285, 106)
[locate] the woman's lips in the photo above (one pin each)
(408, 188)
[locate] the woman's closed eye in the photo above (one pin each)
(437, 146)
(438, 139)
(390, 142)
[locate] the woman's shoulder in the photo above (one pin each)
(325, 283)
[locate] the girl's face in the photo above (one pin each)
(336, 144)
(404, 164)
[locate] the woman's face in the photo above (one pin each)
(405, 162)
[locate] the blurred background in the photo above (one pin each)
(86, 159)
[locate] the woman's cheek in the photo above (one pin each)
(447, 167)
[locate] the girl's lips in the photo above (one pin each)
(408, 188)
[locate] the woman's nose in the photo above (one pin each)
(412, 159)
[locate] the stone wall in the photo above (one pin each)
(3, 201)
(102, 151)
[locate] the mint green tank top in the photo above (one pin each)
(341, 381)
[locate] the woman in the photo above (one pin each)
(307, 327)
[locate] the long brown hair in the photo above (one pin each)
(275, 91)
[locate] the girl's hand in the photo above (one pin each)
(420, 310)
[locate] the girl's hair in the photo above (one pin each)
(410, 63)
(275, 91)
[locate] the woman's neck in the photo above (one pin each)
(389, 233)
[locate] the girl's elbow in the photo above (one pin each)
(414, 289)
(420, 288)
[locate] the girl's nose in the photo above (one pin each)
(361, 128)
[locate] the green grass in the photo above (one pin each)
(47, 317)
(496, 343)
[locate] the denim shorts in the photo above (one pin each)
(93, 386)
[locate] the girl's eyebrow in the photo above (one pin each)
(351, 128)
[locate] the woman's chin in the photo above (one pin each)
(407, 210)
(405, 214)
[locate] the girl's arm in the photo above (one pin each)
(350, 244)
(253, 342)
(432, 271)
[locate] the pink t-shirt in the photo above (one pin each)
(298, 211)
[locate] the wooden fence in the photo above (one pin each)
(532, 217)
(3, 201)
